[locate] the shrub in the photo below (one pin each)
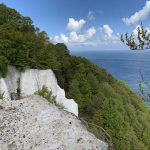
(45, 93)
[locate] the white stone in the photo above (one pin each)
(34, 124)
(31, 81)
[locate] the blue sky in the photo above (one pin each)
(85, 24)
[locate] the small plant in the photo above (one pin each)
(45, 93)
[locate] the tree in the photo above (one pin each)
(139, 41)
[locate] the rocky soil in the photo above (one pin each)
(34, 124)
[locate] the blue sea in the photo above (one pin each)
(125, 65)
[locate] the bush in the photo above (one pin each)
(45, 93)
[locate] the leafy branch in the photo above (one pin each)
(140, 41)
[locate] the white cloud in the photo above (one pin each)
(90, 32)
(91, 16)
(138, 16)
(106, 29)
(90, 37)
(61, 39)
(74, 25)
(74, 37)
(80, 38)
(107, 35)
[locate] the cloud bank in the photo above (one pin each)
(138, 16)
(91, 36)
(74, 37)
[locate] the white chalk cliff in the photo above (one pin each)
(31, 81)
(34, 124)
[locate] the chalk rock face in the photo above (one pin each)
(34, 124)
(31, 81)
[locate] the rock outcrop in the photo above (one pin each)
(34, 124)
(31, 81)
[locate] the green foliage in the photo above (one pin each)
(3, 66)
(102, 99)
(45, 93)
(142, 41)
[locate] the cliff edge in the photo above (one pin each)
(30, 81)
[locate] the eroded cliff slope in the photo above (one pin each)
(34, 124)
